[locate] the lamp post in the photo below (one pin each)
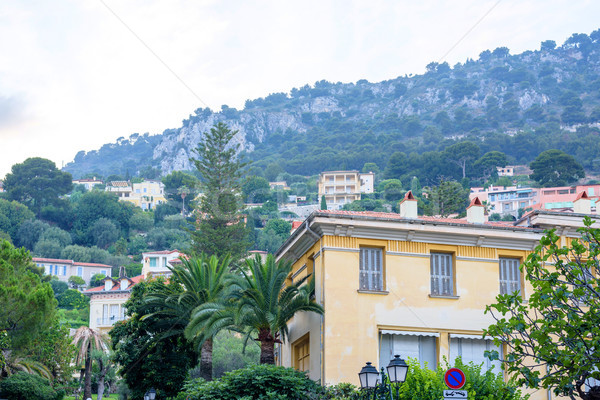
(380, 384)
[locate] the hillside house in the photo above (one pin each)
(107, 301)
(406, 284)
(146, 195)
(156, 263)
(64, 269)
(88, 183)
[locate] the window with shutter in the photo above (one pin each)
(510, 276)
(371, 269)
(442, 283)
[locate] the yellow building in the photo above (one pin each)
(146, 195)
(404, 284)
(342, 187)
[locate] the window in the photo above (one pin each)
(371, 269)
(302, 354)
(153, 262)
(79, 271)
(472, 349)
(114, 312)
(441, 274)
(510, 276)
(419, 345)
(64, 272)
(103, 272)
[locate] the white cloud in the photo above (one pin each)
(73, 77)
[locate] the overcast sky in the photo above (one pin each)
(76, 74)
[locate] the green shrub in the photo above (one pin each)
(24, 386)
(257, 382)
(424, 384)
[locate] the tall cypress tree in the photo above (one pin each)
(220, 228)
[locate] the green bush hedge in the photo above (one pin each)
(24, 386)
(424, 384)
(254, 382)
(262, 382)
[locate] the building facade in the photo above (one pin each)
(64, 269)
(156, 263)
(107, 301)
(402, 284)
(510, 199)
(343, 187)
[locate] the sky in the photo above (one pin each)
(77, 74)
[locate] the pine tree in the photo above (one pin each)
(220, 229)
(323, 203)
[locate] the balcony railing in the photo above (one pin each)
(109, 321)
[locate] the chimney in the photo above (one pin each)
(582, 204)
(408, 206)
(476, 212)
(122, 272)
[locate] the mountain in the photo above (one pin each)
(519, 104)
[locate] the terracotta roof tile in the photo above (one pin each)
(425, 218)
(52, 260)
(82, 264)
(582, 195)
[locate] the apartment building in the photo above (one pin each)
(405, 284)
(64, 269)
(342, 187)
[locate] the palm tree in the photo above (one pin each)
(203, 280)
(12, 364)
(87, 340)
(267, 301)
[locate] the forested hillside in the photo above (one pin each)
(518, 104)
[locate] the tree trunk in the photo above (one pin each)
(267, 347)
(103, 369)
(206, 360)
(87, 385)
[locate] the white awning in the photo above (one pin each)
(461, 336)
(410, 333)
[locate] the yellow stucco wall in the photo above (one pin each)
(347, 335)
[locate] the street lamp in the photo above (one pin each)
(381, 388)
(146, 396)
(368, 376)
(152, 394)
(397, 369)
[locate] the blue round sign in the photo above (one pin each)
(455, 378)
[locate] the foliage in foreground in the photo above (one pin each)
(553, 338)
(254, 382)
(273, 382)
(145, 349)
(425, 384)
(24, 386)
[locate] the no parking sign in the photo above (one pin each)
(455, 379)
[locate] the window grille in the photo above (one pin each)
(371, 269)
(441, 274)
